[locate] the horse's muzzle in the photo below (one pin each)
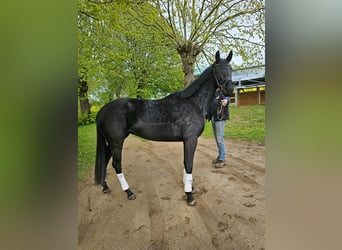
(228, 88)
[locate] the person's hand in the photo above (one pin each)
(224, 102)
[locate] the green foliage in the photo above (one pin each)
(246, 123)
(130, 48)
(87, 119)
(123, 57)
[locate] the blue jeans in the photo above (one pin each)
(218, 128)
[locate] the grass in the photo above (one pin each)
(246, 123)
(86, 149)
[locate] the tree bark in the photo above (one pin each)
(83, 96)
(188, 70)
(188, 54)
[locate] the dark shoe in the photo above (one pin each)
(215, 161)
(220, 164)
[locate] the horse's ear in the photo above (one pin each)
(217, 57)
(229, 57)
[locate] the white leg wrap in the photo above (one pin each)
(123, 182)
(188, 182)
(184, 173)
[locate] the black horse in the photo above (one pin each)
(179, 116)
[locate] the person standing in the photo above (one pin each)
(219, 113)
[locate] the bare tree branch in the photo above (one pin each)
(87, 14)
(230, 36)
(193, 25)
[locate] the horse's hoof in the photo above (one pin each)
(106, 190)
(192, 203)
(131, 197)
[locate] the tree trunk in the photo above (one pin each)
(188, 55)
(188, 69)
(83, 97)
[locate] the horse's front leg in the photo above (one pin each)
(189, 152)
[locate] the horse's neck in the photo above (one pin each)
(201, 91)
(203, 97)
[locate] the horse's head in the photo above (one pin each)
(223, 73)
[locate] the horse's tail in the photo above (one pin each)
(102, 158)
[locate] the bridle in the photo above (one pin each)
(219, 91)
(219, 85)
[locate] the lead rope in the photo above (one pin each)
(220, 111)
(220, 107)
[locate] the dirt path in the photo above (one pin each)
(230, 211)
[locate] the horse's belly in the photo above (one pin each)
(158, 132)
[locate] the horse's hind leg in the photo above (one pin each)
(117, 152)
(105, 188)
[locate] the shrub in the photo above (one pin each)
(91, 118)
(87, 119)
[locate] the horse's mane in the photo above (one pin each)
(196, 84)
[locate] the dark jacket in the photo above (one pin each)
(217, 110)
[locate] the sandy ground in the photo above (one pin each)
(230, 210)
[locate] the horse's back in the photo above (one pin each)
(168, 119)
